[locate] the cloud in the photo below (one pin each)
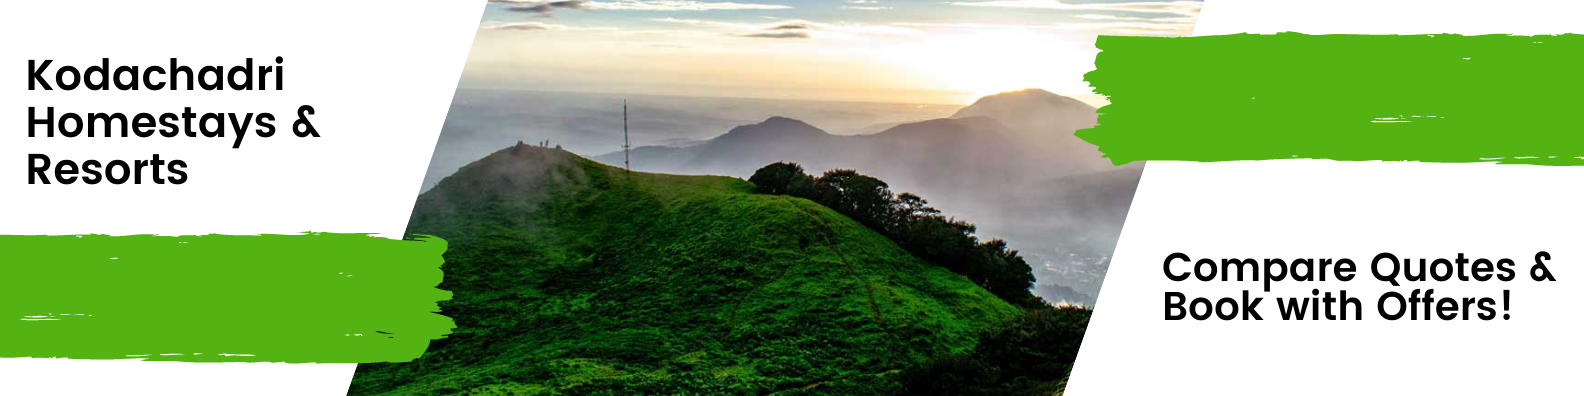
(1121, 26)
(532, 26)
(548, 8)
(778, 35)
(1184, 8)
(804, 29)
(544, 9)
(1103, 17)
(974, 25)
(682, 5)
(792, 26)
(521, 26)
(704, 23)
(781, 30)
(1137, 28)
(864, 5)
(1170, 18)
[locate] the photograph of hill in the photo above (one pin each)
(860, 197)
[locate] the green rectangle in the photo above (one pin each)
(1429, 98)
(316, 297)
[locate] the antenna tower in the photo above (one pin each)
(626, 143)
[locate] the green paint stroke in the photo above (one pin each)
(309, 298)
(1429, 98)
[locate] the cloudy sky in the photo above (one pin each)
(908, 51)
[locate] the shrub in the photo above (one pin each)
(781, 178)
(1032, 355)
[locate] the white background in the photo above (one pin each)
(380, 75)
(1324, 209)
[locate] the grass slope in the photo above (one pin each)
(573, 277)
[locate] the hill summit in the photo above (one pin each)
(1021, 103)
(1043, 121)
(574, 277)
(773, 127)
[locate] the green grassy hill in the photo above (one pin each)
(577, 278)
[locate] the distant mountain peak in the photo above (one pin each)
(1045, 123)
(773, 127)
(1022, 98)
(784, 122)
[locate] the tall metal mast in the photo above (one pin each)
(626, 144)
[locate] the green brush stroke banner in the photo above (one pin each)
(308, 298)
(1428, 98)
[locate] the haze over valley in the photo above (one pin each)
(1008, 163)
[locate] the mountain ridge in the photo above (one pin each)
(995, 161)
(1035, 119)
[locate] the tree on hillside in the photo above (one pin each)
(782, 178)
(865, 198)
(945, 242)
(1007, 273)
(909, 206)
(908, 220)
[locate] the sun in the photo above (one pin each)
(989, 61)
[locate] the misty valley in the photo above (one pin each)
(1009, 163)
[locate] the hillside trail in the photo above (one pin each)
(829, 234)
